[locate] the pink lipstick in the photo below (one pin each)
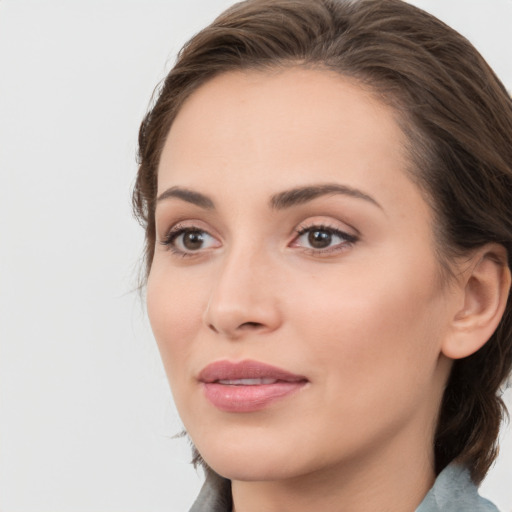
(247, 386)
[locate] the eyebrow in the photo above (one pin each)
(280, 201)
(189, 196)
(302, 195)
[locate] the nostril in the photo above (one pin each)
(251, 325)
(242, 327)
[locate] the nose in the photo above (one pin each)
(243, 299)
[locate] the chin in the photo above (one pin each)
(250, 459)
(256, 469)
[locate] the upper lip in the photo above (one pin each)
(228, 370)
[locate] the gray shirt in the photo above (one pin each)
(453, 491)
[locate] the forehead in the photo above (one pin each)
(291, 102)
(275, 129)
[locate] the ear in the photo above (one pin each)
(484, 290)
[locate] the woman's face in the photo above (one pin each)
(295, 292)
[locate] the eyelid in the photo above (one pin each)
(328, 223)
(180, 228)
(186, 223)
(348, 239)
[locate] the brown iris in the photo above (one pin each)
(319, 239)
(193, 240)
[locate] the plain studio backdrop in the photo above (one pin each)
(86, 417)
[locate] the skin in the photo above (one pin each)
(365, 321)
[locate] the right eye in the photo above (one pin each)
(189, 240)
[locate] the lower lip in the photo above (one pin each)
(231, 398)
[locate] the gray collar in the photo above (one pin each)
(215, 495)
(454, 491)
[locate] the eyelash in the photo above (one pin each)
(174, 233)
(348, 240)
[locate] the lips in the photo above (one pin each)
(247, 386)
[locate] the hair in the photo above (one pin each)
(457, 118)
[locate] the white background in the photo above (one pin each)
(86, 418)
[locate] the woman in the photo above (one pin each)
(326, 188)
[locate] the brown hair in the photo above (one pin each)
(458, 120)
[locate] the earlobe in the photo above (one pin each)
(485, 289)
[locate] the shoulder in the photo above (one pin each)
(215, 495)
(454, 491)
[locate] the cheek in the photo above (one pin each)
(378, 333)
(175, 314)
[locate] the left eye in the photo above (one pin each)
(188, 240)
(319, 238)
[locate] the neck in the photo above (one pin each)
(390, 479)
